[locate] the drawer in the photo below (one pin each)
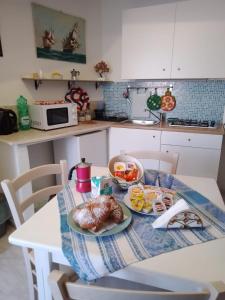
(191, 139)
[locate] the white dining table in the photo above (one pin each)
(204, 262)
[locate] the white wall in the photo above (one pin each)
(112, 29)
(19, 53)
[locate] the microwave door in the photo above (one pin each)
(57, 116)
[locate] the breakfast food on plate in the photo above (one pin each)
(159, 207)
(92, 215)
(96, 212)
(169, 191)
(127, 171)
(137, 198)
(116, 212)
(145, 198)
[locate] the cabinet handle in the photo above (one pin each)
(189, 140)
(178, 69)
(167, 151)
(164, 69)
(153, 136)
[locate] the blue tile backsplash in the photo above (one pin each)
(195, 99)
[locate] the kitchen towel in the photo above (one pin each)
(92, 258)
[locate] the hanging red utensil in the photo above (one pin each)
(168, 102)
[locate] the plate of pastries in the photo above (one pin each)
(147, 199)
(101, 216)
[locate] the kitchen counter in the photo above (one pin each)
(33, 136)
(18, 149)
(217, 131)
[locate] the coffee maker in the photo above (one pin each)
(83, 176)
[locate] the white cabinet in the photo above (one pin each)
(128, 140)
(147, 38)
(199, 43)
(199, 154)
(174, 40)
(93, 146)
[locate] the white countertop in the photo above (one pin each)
(33, 136)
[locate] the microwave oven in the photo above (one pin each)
(53, 116)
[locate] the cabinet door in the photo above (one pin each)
(147, 37)
(199, 43)
(128, 140)
(196, 161)
(93, 146)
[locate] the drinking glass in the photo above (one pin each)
(150, 177)
(165, 180)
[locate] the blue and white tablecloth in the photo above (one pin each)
(92, 258)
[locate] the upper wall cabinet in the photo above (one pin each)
(184, 39)
(199, 39)
(147, 38)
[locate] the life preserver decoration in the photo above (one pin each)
(168, 102)
(78, 96)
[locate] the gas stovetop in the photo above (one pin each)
(176, 122)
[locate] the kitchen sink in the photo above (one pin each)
(141, 122)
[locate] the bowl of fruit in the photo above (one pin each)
(125, 170)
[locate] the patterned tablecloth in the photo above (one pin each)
(94, 257)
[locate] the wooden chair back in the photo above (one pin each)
(63, 289)
(17, 207)
(168, 157)
(10, 188)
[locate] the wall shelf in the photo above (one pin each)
(70, 82)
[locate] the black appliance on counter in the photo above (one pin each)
(102, 115)
(8, 121)
(176, 122)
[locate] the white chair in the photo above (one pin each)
(110, 288)
(170, 158)
(18, 207)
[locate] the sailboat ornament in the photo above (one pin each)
(70, 43)
(48, 39)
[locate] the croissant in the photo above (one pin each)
(116, 212)
(92, 216)
(94, 213)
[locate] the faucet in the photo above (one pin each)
(150, 112)
(161, 116)
(126, 95)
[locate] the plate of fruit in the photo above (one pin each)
(147, 199)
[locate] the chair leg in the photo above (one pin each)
(30, 276)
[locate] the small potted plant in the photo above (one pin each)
(101, 68)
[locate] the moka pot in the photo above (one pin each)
(83, 176)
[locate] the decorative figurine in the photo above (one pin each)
(74, 74)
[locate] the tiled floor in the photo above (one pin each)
(13, 281)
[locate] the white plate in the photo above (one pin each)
(126, 201)
(118, 228)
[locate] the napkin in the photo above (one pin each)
(179, 215)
